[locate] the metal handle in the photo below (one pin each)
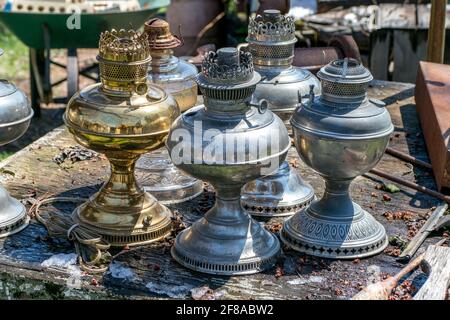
(262, 105)
(241, 46)
(310, 96)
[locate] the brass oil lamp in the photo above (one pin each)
(156, 172)
(271, 39)
(341, 135)
(122, 117)
(214, 142)
(15, 117)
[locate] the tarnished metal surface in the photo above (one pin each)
(341, 135)
(227, 240)
(271, 39)
(153, 274)
(176, 77)
(123, 117)
(15, 117)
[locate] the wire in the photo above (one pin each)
(91, 249)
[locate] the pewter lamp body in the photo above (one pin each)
(271, 40)
(122, 117)
(227, 240)
(341, 135)
(15, 118)
(156, 172)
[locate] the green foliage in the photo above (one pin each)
(390, 187)
(14, 61)
(5, 154)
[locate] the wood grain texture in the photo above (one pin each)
(436, 262)
(151, 273)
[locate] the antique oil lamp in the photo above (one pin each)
(341, 135)
(15, 117)
(156, 172)
(123, 117)
(271, 40)
(228, 141)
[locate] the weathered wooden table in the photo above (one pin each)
(150, 272)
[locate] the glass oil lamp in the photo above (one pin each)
(341, 135)
(218, 142)
(271, 40)
(122, 117)
(156, 172)
(15, 117)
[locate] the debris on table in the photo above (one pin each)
(74, 154)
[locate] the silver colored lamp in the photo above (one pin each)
(341, 135)
(155, 171)
(271, 39)
(227, 241)
(15, 117)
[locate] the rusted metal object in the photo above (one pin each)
(411, 185)
(193, 16)
(408, 158)
(340, 46)
(432, 95)
(282, 5)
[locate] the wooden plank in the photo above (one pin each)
(437, 263)
(406, 60)
(436, 31)
(432, 96)
(150, 273)
(381, 42)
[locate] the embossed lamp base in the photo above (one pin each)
(282, 193)
(122, 212)
(227, 241)
(157, 175)
(335, 227)
(13, 215)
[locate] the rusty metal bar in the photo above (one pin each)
(408, 158)
(411, 185)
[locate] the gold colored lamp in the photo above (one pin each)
(123, 117)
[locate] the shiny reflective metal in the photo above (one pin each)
(176, 77)
(227, 240)
(341, 135)
(15, 117)
(271, 38)
(123, 117)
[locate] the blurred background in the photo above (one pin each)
(50, 64)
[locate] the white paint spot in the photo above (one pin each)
(119, 271)
(68, 262)
(62, 260)
(312, 279)
(176, 292)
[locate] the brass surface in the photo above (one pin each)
(123, 118)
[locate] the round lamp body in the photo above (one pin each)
(15, 118)
(341, 135)
(122, 117)
(214, 142)
(271, 38)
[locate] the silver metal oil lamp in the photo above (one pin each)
(218, 142)
(122, 117)
(15, 117)
(341, 135)
(271, 39)
(155, 170)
